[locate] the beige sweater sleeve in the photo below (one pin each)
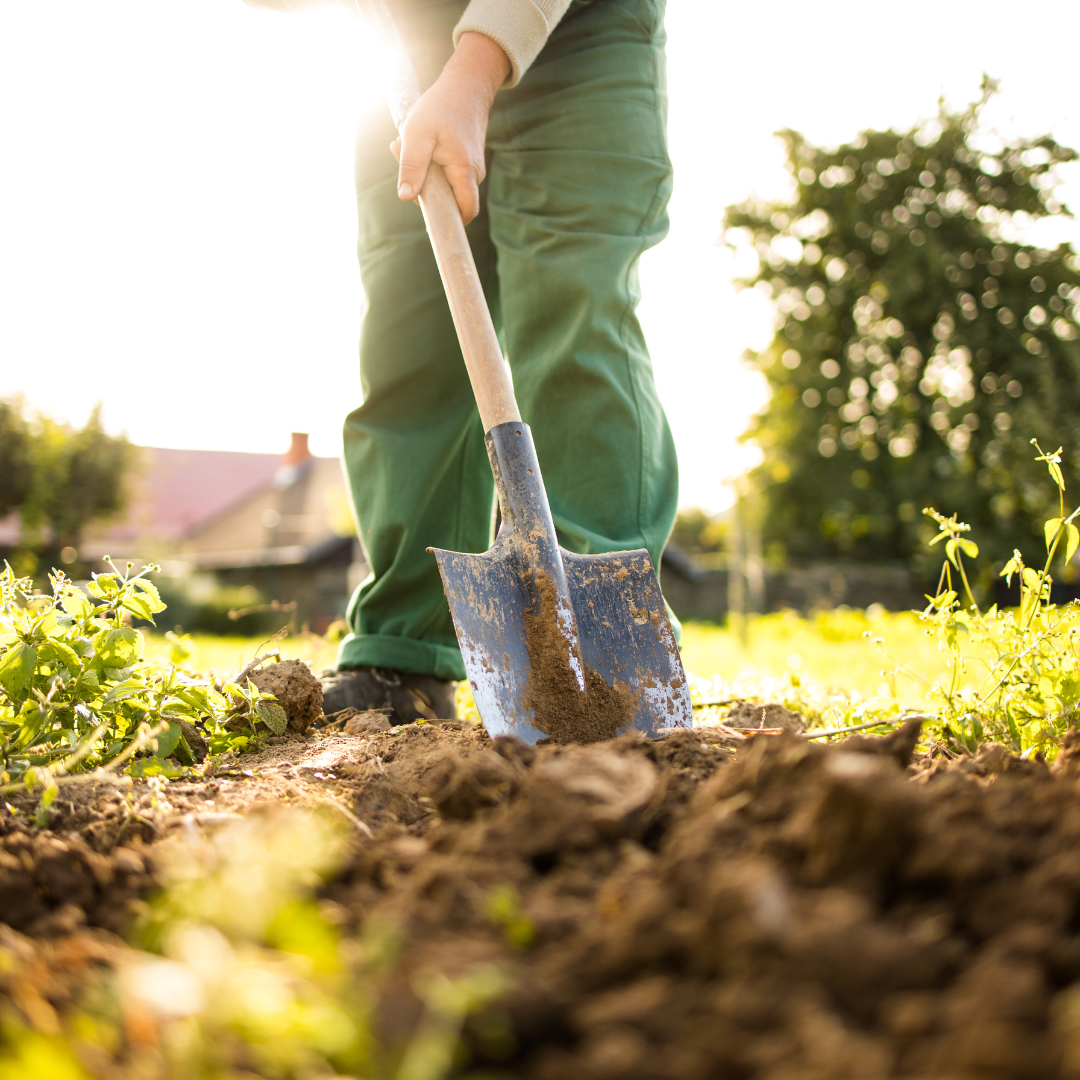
(299, 5)
(520, 26)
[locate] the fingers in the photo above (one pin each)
(463, 181)
(414, 156)
(413, 163)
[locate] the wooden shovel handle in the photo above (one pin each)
(488, 371)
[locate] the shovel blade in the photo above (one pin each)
(624, 635)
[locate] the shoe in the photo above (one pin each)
(409, 697)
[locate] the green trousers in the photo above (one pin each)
(578, 180)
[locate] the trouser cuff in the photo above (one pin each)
(403, 654)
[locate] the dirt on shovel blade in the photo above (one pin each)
(686, 908)
(564, 712)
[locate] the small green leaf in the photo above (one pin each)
(969, 548)
(17, 668)
(152, 596)
(1051, 530)
(118, 648)
(1072, 539)
(140, 607)
(125, 690)
(272, 715)
(167, 741)
(104, 586)
(48, 625)
(74, 603)
(64, 654)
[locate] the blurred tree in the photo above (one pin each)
(16, 457)
(696, 533)
(60, 480)
(918, 347)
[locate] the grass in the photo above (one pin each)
(831, 649)
(216, 655)
(782, 655)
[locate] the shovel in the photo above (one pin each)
(557, 646)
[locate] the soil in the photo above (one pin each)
(564, 711)
(746, 715)
(688, 908)
(297, 691)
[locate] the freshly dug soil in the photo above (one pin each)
(689, 908)
(792, 910)
(296, 689)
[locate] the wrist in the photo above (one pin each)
(481, 59)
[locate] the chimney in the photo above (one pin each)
(298, 449)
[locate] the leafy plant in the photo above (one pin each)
(1030, 692)
(76, 691)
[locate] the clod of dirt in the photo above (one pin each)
(198, 746)
(611, 785)
(563, 711)
(747, 714)
(296, 689)
(459, 787)
(899, 744)
(364, 722)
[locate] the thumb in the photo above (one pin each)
(414, 156)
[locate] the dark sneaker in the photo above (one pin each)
(410, 697)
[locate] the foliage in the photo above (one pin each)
(16, 458)
(76, 691)
(60, 480)
(1029, 658)
(914, 340)
(698, 533)
(199, 604)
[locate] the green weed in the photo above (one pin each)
(76, 691)
(1026, 660)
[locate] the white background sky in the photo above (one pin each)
(177, 226)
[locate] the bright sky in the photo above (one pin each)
(177, 226)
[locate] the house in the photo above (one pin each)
(279, 523)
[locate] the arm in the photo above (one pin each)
(519, 27)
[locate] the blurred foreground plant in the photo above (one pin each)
(240, 971)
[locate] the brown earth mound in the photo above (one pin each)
(802, 911)
(669, 909)
(296, 689)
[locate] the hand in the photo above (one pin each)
(448, 124)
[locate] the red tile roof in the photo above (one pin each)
(177, 490)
